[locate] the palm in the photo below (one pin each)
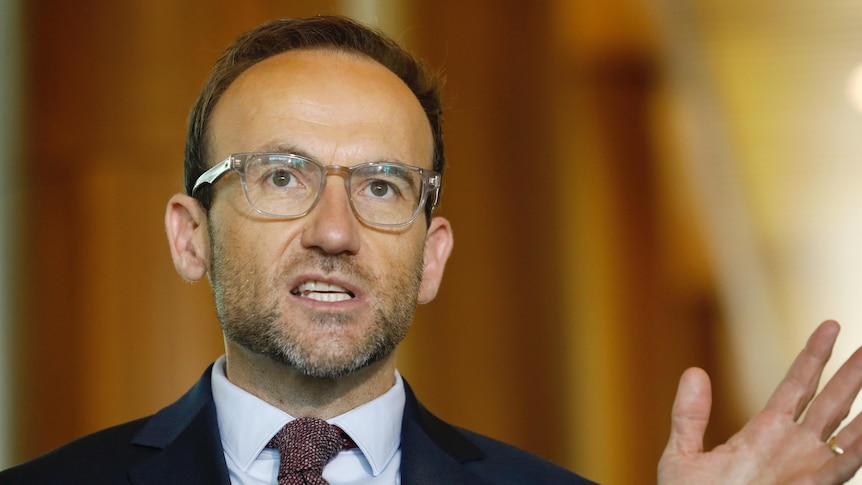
(776, 446)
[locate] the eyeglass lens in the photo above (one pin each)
(288, 186)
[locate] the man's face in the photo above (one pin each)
(324, 293)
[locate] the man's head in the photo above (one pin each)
(324, 32)
(326, 293)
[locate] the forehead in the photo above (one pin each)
(331, 104)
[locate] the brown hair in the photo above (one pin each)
(327, 32)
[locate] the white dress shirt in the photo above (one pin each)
(247, 423)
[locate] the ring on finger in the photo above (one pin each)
(834, 446)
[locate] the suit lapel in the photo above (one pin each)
(186, 433)
(433, 451)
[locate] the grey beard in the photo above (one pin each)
(258, 329)
(263, 337)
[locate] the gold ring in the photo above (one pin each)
(834, 446)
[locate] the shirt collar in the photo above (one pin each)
(247, 423)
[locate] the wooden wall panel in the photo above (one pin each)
(640, 301)
(487, 352)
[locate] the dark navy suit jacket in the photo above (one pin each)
(181, 445)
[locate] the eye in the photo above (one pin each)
(378, 188)
(281, 178)
(382, 183)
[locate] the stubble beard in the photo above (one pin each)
(247, 318)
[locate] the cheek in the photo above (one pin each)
(242, 230)
(394, 247)
(239, 250)
(404, 259)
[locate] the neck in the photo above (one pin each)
(300, 395)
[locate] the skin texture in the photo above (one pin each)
(305, 356)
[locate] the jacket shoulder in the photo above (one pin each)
(141, 448)
(101, 457)
(434, 451)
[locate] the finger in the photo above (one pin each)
(833, 403)
(841, 468)
(690, 413)
(799, 385)
(850, 433)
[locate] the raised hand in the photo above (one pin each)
(779, 445)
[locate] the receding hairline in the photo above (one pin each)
(337, 50)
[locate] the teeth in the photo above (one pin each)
(328, 297)
(320, 291)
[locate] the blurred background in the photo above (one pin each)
(636, 187)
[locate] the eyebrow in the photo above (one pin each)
(283, 148)
(401, 173)
(295, 150)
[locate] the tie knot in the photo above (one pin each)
(306, 445)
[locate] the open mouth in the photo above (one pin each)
(320, 291)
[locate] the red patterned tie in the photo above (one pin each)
(306, 445)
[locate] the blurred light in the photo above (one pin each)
(855, 88)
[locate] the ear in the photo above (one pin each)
(438, 246)
(186, 225)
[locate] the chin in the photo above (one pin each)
(326, 364)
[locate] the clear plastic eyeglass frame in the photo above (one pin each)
(431, 183)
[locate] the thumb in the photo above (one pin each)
(690, 413)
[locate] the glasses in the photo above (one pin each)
(288, 186)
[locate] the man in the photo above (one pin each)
(314, 160)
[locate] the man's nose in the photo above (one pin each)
(331, 225)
